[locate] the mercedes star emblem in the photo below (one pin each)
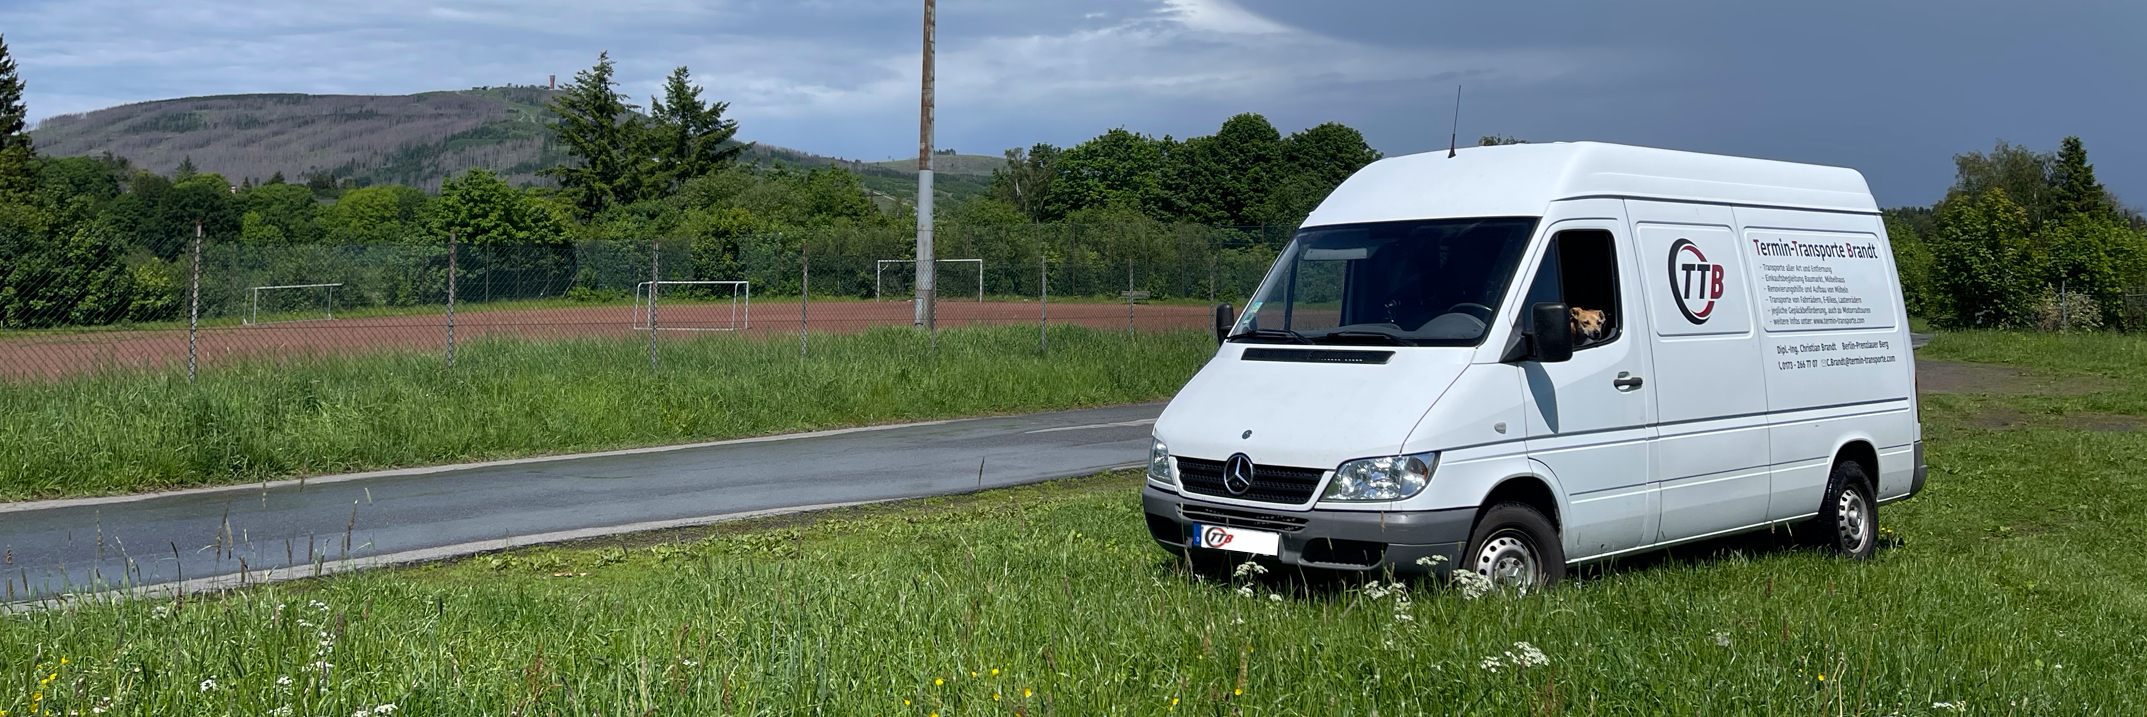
(1237, 474)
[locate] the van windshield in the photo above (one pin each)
(1409, 283)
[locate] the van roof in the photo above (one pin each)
(1523, 179)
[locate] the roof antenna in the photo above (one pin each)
(1455, 138)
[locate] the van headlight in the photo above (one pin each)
(1159, 463)
(1388, 478)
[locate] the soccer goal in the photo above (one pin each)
(694, 305)
(881, 280)
(291, 303)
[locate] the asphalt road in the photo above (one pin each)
(218, 537)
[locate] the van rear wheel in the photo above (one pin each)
(1516, 548)
(1848, 520)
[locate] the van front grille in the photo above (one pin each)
(1257, 520)
(1270, 484)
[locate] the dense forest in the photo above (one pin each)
(2023, 239)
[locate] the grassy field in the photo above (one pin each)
(243, 422)
(2016, 585)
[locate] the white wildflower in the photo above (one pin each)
(1473, 584)
(284, 681)
(1250, 568)
(284, 711)
(208, 684)
(1721, 638)
(1274, 597)
(384, 710)
(1430, 560)
(1245, 590)
(1492, 663)
(1404, 617)
(1528, 656)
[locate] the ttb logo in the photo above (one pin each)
(1695, 282)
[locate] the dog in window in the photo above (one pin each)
(1587, 324)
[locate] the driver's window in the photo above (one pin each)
(1580, 270)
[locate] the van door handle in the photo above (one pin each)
(1626, 381)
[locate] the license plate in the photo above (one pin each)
(1257, 542)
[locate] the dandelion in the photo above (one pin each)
(937, 681)
(1025, 692)
(1822, 678)
(1721, 638)
(995, 670)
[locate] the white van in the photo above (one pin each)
(1518, 358)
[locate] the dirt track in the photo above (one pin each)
(59, 355)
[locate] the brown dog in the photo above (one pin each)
(1587, 323)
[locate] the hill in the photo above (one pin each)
(417, 140)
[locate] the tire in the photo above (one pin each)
(1848, 521)
(1517, 548)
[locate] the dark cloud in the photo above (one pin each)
(1893, 89)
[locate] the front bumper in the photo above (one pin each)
(1382, 542)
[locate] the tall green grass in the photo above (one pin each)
(253, 420)
(2016, 585)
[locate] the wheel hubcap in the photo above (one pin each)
(1509, 561)
(1852, 519)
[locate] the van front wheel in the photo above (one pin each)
(1849, 520)
(1516, 548)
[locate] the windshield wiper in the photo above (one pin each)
(1270, 334)
(1375, 336)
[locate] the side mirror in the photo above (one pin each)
(1550, 333)
(1224, 319)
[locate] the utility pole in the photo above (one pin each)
(925, 265)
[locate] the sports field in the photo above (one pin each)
(33, 355)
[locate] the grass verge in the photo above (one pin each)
(2013, 586)
(248, 421)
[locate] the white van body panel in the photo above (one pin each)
(1757, 299)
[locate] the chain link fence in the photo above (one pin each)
(224, 301)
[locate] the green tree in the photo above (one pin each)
(482, 209)
(1116, 168)
(17, 177)
(1986, 265)
(384, 213)
(1498, 140)
(279, 214)
(1025, 182)
(603, 137)
(686, 137)
(1914, 261)
(186, 169)
(2023, 173)
(2075, 191)
(1221, 178)
(1320, 157)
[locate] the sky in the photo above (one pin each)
(1893, 88)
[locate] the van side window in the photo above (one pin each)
(1580, 269)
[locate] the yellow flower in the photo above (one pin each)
(995, 670)
(972, 673)
(1822, 678)
(1173, 701)
(63, 660)
(995, 697)
(1238, 691)
(1024, 692)
(938, 681)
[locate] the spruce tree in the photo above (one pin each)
(604, 138)
(186, 169)
(17, 177)
(2077, 192)
(686, 137)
